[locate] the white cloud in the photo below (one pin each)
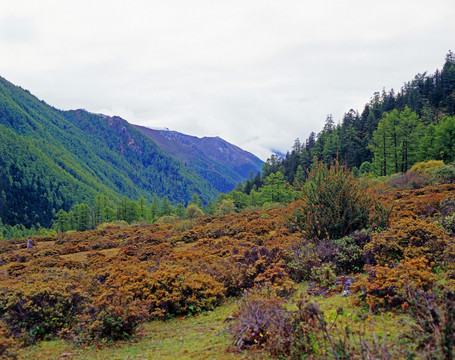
(258, 74)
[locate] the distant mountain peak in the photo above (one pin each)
(221, 163)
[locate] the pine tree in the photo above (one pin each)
(142, 203)
(380, 146)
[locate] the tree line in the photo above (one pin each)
(394, 131)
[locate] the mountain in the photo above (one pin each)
(222, 164)
(51, 159)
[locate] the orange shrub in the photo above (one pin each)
(36, 310)
(113, 315)
(408, 237)
(168, 291)
(277, 281)
(7, 343)
(388, 287)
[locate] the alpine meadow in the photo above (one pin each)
(119, 241)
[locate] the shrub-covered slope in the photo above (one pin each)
(98, 285)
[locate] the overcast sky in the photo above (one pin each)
(257, 73)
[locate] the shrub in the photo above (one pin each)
(408, 237)
(258, 317)
(333, 204)
(277, 281)
(448, 214)
(225, 207)
(433, 328)
(409, 180)
(345, 255)
(7, 343)
(323, 275)
(445, 174)
(168, 291)
(303, 257)
(426, 167)
(113, 315)
(167, 219)
(183, 225)
(193, 212)
(153, 252)
(304, 333)
(387, 287)
(38, 310)
(366, 167)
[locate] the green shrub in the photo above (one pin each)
(193, 212)
(426, 167)
(445, 174)
(323, 275)
(303, 257)
(167, 219)
(344, 255)
(334, 204)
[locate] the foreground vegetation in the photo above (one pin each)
(368, 255)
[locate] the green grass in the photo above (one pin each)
(194, 337)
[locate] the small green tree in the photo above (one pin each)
(193, 211)
(365, 168)
(196, 200)
(333, 204)
(165, 207)
(142, 204)
(180, 210)
(445, 139)
(62, 222)
(154, 208)
(225, 207)
(211, 208)
(83, 218)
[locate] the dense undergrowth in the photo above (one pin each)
(98, 286)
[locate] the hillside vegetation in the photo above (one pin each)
(222, 164)
(98, 286)
(53, 159)
(394, 131)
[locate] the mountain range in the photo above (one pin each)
(52, 159)
(222, 164)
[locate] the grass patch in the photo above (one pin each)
(192, 337)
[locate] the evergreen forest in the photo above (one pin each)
(393, 132)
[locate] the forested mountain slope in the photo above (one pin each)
(52, 159)
(222, 164)
(393, 131)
